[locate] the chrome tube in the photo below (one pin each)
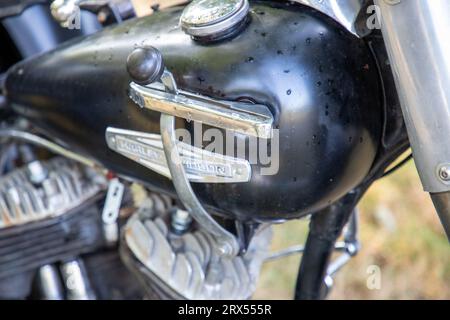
(76, 281)
(50, 286)
(416, 34)
(441, 202)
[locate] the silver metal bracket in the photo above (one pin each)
(111, 211)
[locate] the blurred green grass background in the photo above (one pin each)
(399, 232)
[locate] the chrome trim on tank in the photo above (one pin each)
(251, 119)
(345, 12)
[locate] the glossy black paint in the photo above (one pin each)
(320, 82)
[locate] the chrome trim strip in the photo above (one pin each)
(254, 120)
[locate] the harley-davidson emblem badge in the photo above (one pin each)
(200, 165)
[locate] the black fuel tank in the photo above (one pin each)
(319, 81)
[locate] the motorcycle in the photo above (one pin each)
(148, 157)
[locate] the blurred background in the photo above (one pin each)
(399, 231)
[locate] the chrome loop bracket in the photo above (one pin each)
(227, 244)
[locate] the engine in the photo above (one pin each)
(52, 235)
(53, 232)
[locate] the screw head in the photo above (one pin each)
(224, 249)
(352, 249)
(181, 221)
(444, 173)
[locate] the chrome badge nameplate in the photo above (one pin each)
(201, 166)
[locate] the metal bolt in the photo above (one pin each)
(181, 221)
(444, 173)
(62, 10)
(102, 16)
(352, 249)
(224, 249)
(37, 172)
